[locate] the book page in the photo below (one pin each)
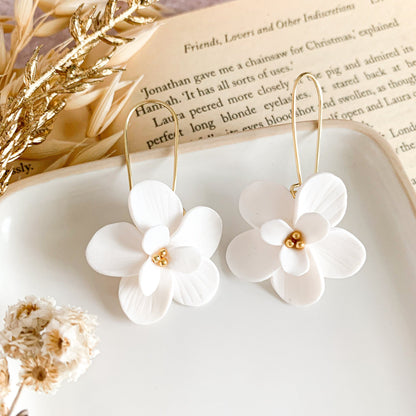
(231, 68)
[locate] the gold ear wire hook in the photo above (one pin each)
(176, 143)
(294, 135)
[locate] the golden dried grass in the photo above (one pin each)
(100, 104)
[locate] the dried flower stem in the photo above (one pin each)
(19, 392)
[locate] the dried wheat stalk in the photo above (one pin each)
(31, 101)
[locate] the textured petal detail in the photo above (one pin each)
(155, 238)
(340, 254)
(264, 201)
(299, 290)
(325, 194)
(251, 258)
(201, 228)
(313, 226)
(153, 203)
(294, 261)
(274, 232)
(198, 287)
(184, 259)
(143, 309)
(115, 250)
(149, 277)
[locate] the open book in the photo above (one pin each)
(231, 68)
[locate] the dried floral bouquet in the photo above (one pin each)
(50, 344)
(63, 88)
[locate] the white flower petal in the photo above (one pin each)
(299, 290)
(143, 309)
(264, 201)
(198, 287)
(149, 277)
(340, 254)
(201, 228)
(155, 238)
(294, 261)
(274, 232)
(115, 250)
(251, 258)
(313, 226)
(184, 259)
(325, 194)
(153, 203)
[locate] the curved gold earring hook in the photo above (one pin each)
(294, 134)
(176, 143)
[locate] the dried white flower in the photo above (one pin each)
(40, 374)
(4, 378)
(23, 323)
(61, 341)
(71, 341)
(53, 343)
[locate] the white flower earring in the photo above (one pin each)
(295, 240)
(165, 254)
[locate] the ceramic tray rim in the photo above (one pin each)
(118, 161)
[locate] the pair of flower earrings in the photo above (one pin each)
(165, 255)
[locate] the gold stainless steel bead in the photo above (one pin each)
(296, 235)
(295, 240)
(289, 243)
(300, 245)
(160, 259)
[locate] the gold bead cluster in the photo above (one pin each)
(295, 240)
(160, 258)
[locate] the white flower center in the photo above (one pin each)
(295, 240)
(160, 258)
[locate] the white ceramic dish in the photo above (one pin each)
(247, 352)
